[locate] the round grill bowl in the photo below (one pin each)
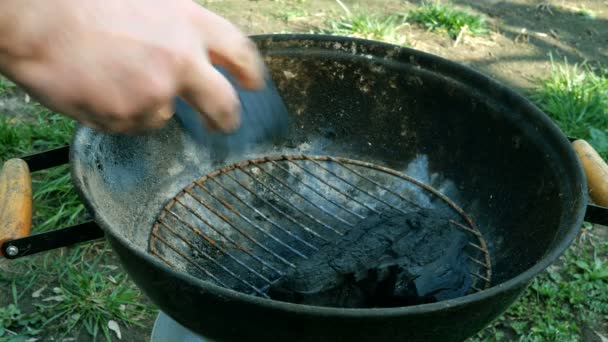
(486, 148)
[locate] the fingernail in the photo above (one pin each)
(230, 121)
(235, 123)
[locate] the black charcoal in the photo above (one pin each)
(387, 260)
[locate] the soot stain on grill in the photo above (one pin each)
(389, 259)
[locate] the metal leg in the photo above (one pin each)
(167, 330)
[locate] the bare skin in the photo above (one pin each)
(116, 65)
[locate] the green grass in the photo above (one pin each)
(570, 295)
(56, 204)
(90, 296)
(16, 326)
(576, 97)
(20, 136)
(586, 13)
(368, 26)
(78, 292)
(362, 23)
(86, 294)
(6, 86)
(290, 14)
(437, 16)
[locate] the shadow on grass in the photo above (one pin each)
(569, 33)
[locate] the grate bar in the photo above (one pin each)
(153, 250)
(319, 193)
(208, 257)
(250, 238)
(375, 183)
(246, 219)
(354, 186)
(226, 204)
(306, 199)
(214, 244)
(476, 246)
(483, 247)
(477, 261)
(306, 228)
(335, 188)
(209, 274)
(477, 275)
(316, 191)
(462, 226)
(257, 227)
(325, 225)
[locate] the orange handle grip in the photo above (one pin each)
(596, 170)
(15, 201)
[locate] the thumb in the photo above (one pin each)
(212, 95)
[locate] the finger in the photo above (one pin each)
(95, 123)
(212, 95)
(228, 47)
(136, 124)
(142, 123)
(241, 58)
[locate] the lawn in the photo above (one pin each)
(81, 293)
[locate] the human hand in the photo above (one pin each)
(117, 65)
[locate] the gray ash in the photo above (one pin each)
(387, 260)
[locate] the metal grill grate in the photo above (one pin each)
(245, 225)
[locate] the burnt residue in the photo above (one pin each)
(388, 259)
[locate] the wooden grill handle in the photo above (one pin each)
(15, 201)
(596, 170)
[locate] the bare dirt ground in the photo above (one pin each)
(515, 53)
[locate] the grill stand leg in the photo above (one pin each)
(167, 330)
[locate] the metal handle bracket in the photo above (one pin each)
(87, 231)
(43, 242)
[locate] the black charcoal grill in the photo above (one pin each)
(373, 126)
